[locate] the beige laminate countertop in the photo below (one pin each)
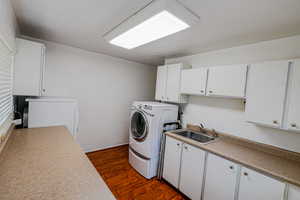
(281, 168)
(46, 164)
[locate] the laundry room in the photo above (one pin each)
(150, 99)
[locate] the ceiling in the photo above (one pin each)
(223, 24)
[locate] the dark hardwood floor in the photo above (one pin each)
(124, 182)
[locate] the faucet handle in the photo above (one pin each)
(201, 125)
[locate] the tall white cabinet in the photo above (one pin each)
(256, 186)
(161, 83)
(29, 68)
(168, 83)
(266, 91)
(221, 179)
(293, 105)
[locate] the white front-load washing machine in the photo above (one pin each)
(146, 127)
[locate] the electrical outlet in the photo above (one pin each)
(17, 121)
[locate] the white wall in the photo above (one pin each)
(8, 24)
(227, 115)
(105, 88)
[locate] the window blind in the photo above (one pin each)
(6, 74)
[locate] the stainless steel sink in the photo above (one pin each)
(199, 137)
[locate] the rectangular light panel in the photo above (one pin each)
(154, 28)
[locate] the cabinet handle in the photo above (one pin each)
(210, 91)
(44, 90)
(231, 167)
(178, 144)
(246, 174)
(162, 97)
(294, 125)
(202, 91)
(186, 147)
(275, 122)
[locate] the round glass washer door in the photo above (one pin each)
(139, 126)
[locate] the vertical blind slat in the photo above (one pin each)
(6, 104)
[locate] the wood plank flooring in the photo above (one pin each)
(124, 182)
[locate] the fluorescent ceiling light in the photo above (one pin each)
(154, 28)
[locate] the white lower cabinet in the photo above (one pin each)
(192, 169)
(293, 193)
(184, 168)
(221, 178)
(172, 159)
(256, 186)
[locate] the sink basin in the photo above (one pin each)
(199, 137)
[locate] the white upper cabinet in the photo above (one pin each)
(220, 181)
(293, 106)
(193, 81)
(227, 81)
(255, 186)
(172, 159)
(293, 193)
(161, 83)
(29, 68)
(173, 83)
(168, 83)
(266, 93)
(192, 171)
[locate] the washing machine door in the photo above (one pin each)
(139, 126)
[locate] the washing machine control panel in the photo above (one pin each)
(147, 107)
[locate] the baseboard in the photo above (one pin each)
(107, 147)
(8, 133)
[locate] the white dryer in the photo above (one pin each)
(146, 126)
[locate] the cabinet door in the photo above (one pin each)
(293, 193)
(172, 161)
(193, 81)
(293, 116)
(220, 181)
(256, 186)
(266, 93)
(227, 81)
(192, 168)
(28, 69)
(161, 83)
(173, 82)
